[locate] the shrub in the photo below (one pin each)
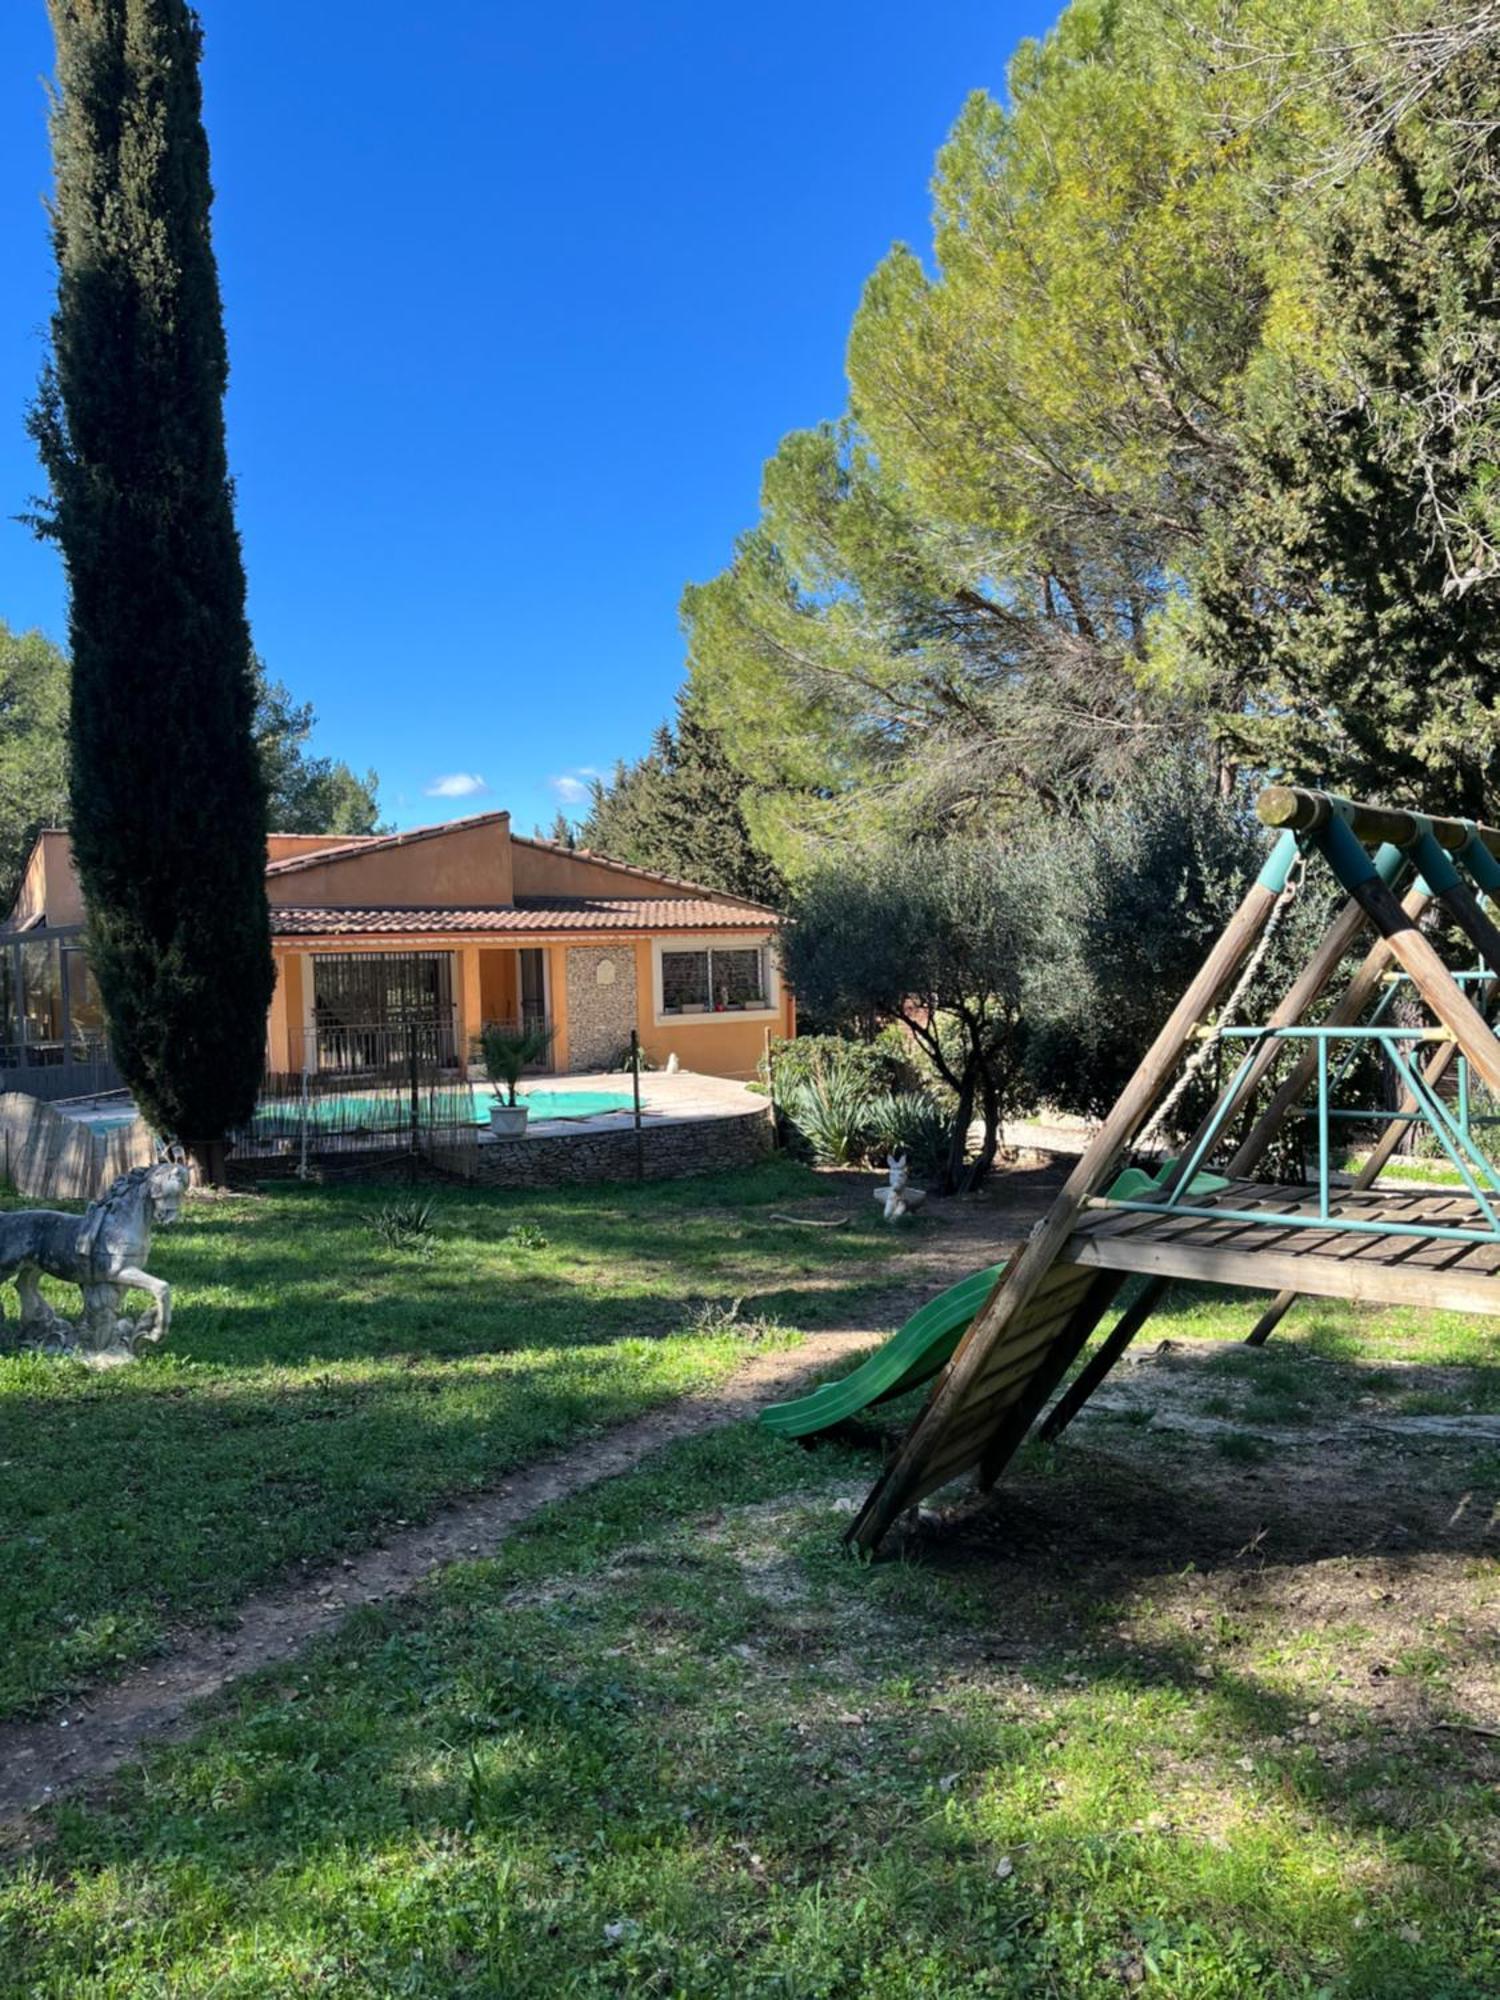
(404, 1225)
(909, 1121)
(937, 936)
(878, 1065)
(830, 1112)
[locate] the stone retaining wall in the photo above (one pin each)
(566, 1159)
(693, 1146)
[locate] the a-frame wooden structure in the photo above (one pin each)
(1411, 1247)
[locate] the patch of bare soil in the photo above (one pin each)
(1346, 1562)
(91, 1736)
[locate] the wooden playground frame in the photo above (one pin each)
(1414, 1247)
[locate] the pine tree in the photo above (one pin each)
(168, 799)
(680, 808)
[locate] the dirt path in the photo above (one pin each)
(93, 1735)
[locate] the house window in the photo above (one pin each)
(41, 1001)
(714, 980)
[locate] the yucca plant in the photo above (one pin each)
(830, 1111)
(911, 1122)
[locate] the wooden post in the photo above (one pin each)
(902, 1482)
(1294, 808)
(1464, 906)
(1435, 985)
(1300, 995)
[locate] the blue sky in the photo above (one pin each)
(518, 302)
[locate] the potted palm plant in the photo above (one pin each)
(507, 1048)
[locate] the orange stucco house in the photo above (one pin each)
(453, 924)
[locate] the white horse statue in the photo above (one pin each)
(900, 1197)
(104, 1253)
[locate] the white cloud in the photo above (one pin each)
(573, 787)
(457, 785)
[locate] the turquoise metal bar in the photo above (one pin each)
(1389, 862)
(1335, 1034)
(1453, 1136)
(1475, 976)
(1438, 871)
(1387, 999)
(1323, 1128)
(1481, 864)
(1463, 1093)
(1442, 1125)
(1201, 1151)
(1374, 1115)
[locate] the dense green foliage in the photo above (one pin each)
(878, 1062)
(1185, 437)
(168, 802)
(1129, 898)
(680, 809)
(937, 938)
(33, 748)
(1351, 590)
(839, 1110)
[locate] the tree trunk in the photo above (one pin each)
(210, 1158)
(980, 1165)
(963, 1117)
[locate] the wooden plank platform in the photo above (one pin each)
(1387, 1268)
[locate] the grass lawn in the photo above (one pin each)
(1181, 1713)
(321, 1387)
(1161, 1722)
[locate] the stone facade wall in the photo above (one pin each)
(601, 1004)
(695, 1146)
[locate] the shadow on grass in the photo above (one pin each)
(632, 1724)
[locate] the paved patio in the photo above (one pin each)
(666, 1099)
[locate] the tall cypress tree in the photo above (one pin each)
(168, 799)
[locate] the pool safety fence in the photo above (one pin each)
(401, 1101)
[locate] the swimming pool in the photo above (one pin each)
(390, 1111)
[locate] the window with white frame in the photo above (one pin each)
(714, 979)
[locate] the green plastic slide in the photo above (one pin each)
(925, 1343)
(912, 1356)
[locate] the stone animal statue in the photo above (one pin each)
(104, 1253)
(899, 1197)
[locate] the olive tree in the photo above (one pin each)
(937, 937)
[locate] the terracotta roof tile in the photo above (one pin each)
(530, 914)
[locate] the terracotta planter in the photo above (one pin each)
(508, 1121)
